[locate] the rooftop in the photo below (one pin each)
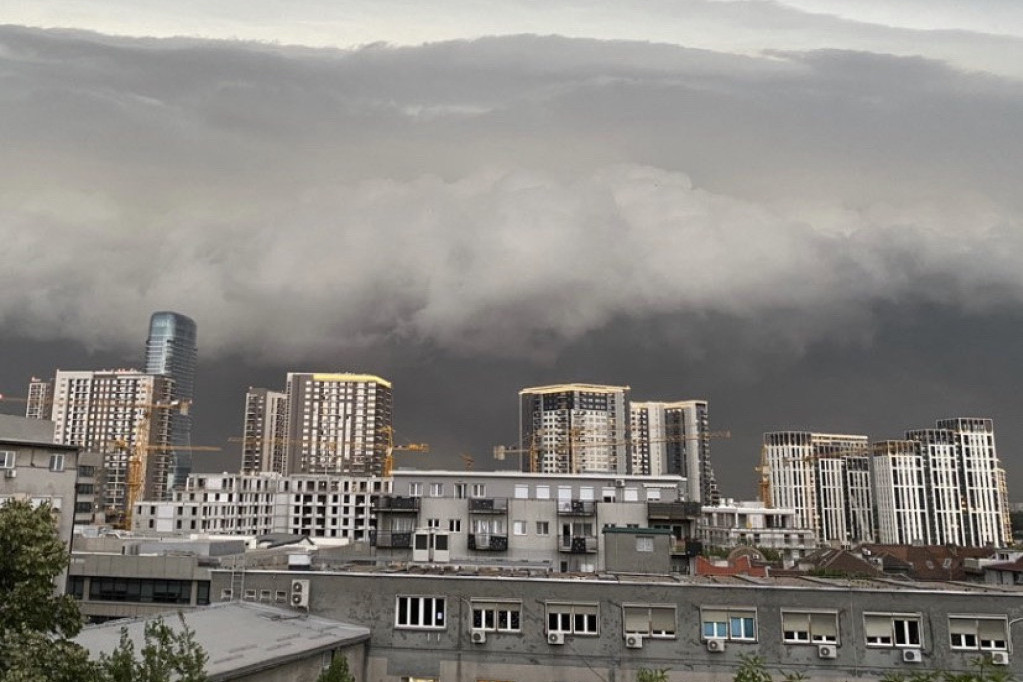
(239, 636)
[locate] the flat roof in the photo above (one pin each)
(239, 637)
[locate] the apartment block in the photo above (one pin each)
(314, 505)
(942, 486)
(265, 431)
(117, 413)
(555, 521)
(674, 438)
(825, 478)
(575, 429)
(338, 423)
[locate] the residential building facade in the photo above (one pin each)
(265, 432)
(117, 413)
(338, 423)
(825, 478)
(575, 429)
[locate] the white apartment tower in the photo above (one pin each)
(265, 432)
(575, 428)
(117, 413)
(825, 478)
(338, 423)
(40, 398)
(943, 486)
(673, 438)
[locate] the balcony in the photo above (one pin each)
(397, 504)
(689, 548)
(672, 511)
(577, 508)
(488, 505)
(578, 544)
(485, 542)
(385, 539)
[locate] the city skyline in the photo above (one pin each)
(806, 213)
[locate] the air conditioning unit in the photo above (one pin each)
(10, 473)
(999, 658)
(300, 593)
(556, 638)
(619, 482)
(827, 651)
(912, 656)
(478, 636)
(633, 641)
(716, 645)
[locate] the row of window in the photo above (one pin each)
(659, 621)
(9, 459)
(141, 590)
(540, 492)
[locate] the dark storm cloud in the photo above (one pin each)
(503, 206)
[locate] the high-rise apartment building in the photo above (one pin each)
(265, 431)
(338, 423)
(944, 485)
(117, 413)
(674, 438)
(40, 398)
(171, 352)
(825, 478)
(575, 428)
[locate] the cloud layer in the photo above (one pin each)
(505, 196)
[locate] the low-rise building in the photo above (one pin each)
(736, 523)
(250, 642)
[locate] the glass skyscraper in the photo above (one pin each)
(171, 351)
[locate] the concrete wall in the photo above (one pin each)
(307, 669)
(447, 653)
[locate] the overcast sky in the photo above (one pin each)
(807, 212)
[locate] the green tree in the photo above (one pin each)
(37, 624)
(338, 671)
(649, 675)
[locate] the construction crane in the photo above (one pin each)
(390, 448)
(764, 485)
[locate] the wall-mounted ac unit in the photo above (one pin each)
(633, 641)
(827, 651)
(619, 482)
(10, 473)
(478, 636)
(300, 593)
(555, 637)
(999, 658)
(912, 656)
(715, 645)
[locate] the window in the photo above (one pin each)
(725, 623)
(7, 458)
(436, 490)
(543, 492)
(420, 612)
(644, 543)
(497, 616)
(518, 527)
(577, 619)
(479, 490)
(653, 494)
(460, 491)
(809, 627)
(56, 462)
(631, 495)
(433, 523)
(892, 629)
(455, 525)
(978, 633)
(521, 491)
(543, 528)
(415, 489)
(649, 621)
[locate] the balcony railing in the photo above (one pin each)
(386, 539)
(397, 503)
(488, 505)
(577, 508)
(578, 544)
(485, 542)
(672, 511)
